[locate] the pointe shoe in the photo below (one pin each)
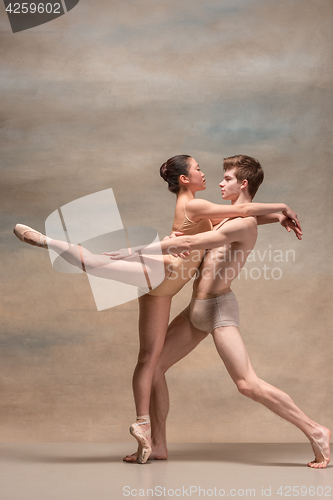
(20, 230)
(141, 436)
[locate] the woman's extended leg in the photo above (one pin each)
(132, 270)
(153, 325)
(232, 350)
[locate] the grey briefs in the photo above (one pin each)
(219, 309)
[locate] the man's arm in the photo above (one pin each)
(227, 234)
(230, 233)
(268, 219)
(286, 222)
(211, 239)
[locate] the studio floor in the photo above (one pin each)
(88, 471)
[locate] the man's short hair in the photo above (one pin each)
(246, 168)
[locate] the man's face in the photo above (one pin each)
(230, 187)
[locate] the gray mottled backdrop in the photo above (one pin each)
(100, 98)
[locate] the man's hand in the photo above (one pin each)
(290, 225)
(288, 212)
(149, 250)
(174, 234)
(120, 254)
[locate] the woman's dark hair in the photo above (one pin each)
(172, 169)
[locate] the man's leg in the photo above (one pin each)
(181, 339)
(232, 350)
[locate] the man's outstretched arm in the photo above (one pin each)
(286, 222)
(230, 233)
(179, 244)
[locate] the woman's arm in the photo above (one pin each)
(203, 209)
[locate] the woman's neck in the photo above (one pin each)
(185, 196)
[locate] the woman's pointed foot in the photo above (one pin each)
(141, 432)
(30, 236)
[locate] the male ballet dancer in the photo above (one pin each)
(214, 309)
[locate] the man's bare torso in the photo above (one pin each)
(222, 265)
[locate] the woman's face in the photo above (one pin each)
(196, 177)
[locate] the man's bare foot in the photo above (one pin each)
(320, 443)
(160, 453)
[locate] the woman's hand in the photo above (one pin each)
(291, 225)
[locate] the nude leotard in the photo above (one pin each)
(182, 270)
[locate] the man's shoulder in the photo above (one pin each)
(240, 229)
(241, 223)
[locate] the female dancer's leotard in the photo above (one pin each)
(182, 270)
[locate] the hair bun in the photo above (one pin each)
(172, 169)
(163, 171)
